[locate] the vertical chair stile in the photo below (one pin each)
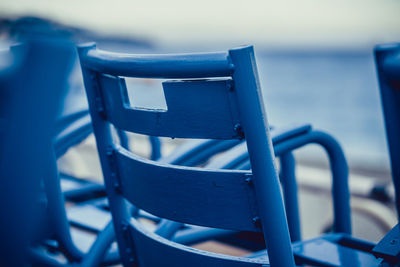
(256, 131)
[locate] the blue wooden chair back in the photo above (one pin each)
(388, 67)
(225, 105)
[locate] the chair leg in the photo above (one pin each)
(289, 185)
(99, 248)
(340, 187)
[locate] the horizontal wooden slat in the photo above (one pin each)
(196, 109)
(213, 198)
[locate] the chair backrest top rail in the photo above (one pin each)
(171, 66)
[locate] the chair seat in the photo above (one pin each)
(331, 250)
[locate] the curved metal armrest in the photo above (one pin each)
(339, 169)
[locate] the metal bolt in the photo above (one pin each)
(229, 85)
(238, 129)
(248, 180)
(257, 222)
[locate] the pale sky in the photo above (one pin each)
(347, 23)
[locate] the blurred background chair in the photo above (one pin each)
(387, 59)
(36, 84)
(30, 104)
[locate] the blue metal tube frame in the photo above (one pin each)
(58, 218)
(289, 186)
(100, 247)
(196, 152)
(155, 148)
(340, 187)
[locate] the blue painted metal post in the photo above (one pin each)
(289, 186)
(56, 209)
(388, 67)
(339, 168)
(104, 143)
(266, 181)
(155, 148)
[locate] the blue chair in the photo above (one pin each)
(226, 108)
(30, 106)
(25, 93)
(387, 58)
